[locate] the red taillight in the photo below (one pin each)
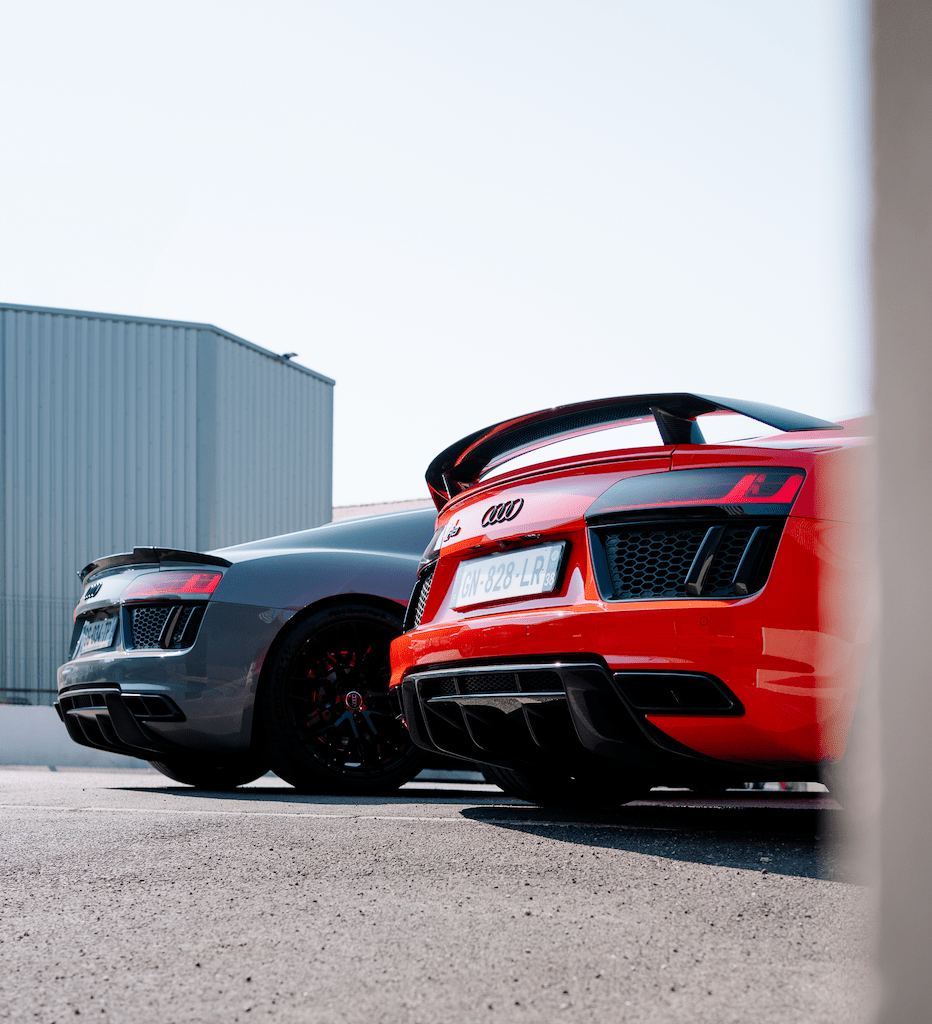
(776, 485)
(182, 582)
(769, 491)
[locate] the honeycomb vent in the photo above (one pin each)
(418, 600)
(650, 562)
(653, 560)
(486, 681)
(148, 621)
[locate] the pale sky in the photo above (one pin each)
(461, 211)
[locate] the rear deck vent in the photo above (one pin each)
(167, 626)
(178, 632)
(647, 561)
(652, 562)
(418, 600)
(490, 681)
(148, 622)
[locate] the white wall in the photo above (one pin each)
(36, 735)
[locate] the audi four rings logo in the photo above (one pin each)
(502, 513)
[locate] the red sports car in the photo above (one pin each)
(687, 613)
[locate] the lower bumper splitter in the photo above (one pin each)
(569, 715)
(107, 719)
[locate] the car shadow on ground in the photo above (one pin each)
(285, 794)
(801, 842)
(766, 832)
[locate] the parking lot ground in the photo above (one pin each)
(130, 898)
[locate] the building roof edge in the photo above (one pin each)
(91, 315)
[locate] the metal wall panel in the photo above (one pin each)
(274, 444)
(119, 431)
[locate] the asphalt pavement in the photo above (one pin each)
(126, 897)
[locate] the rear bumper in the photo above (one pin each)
(143, 705)
(212, 686)
(791, 655)
(158, 703)
(571, 715)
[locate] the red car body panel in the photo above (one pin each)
(791, 653)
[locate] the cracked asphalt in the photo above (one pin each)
(125, 897)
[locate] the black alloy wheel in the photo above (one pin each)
(213, 775)
(324, 721)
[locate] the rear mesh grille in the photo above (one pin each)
(487, 682)
(166, 626)
(148, 621)
(540, 682)
(647, 561)
(418, 600)
(529, 681)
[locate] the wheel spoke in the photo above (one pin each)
(327, 656)
(373, 660)
(365, 758)
(329, 726)
(363, 740)
(311, 698)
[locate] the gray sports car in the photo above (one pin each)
(274, 654)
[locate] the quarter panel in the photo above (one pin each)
(237, 634)
(295, 580)
(218, 705)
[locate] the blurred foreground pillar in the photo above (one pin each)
(902, 296)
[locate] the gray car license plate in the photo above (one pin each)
(98, 634)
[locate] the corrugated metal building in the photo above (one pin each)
(121, 431)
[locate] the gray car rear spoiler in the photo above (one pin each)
(146, 556)
(461, 465)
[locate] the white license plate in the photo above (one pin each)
(96, 635)
(514, 574)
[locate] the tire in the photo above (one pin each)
(204, 775)
(552, 789)
(323, 718)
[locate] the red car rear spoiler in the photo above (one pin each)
(461, 465)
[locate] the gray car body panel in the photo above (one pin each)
(268, 583)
